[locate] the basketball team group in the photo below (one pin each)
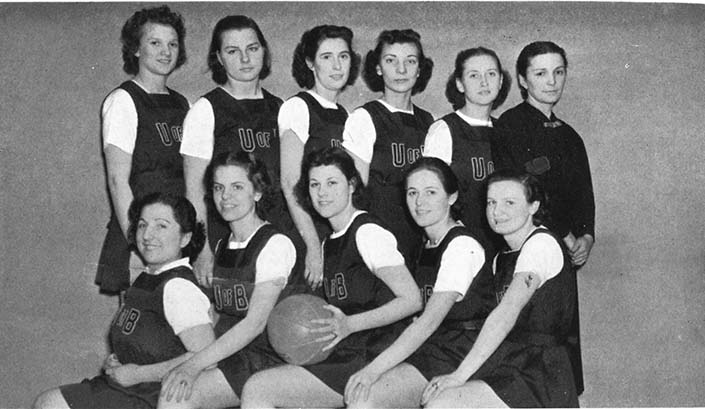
(271, 253)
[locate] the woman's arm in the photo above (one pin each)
(496, 328)
(359, 137)
(194, 172)
(407, 301)
(194, 339)
(179, 382)
(410, 340)
(292, 152)
(119, 166)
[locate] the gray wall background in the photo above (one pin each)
(635, 94)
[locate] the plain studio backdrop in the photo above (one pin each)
(635, 93)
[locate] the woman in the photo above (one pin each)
(365, 282)
(522, 342)
(545, 146)
(254, 267)
(324, 64)
(238, 115)
(164, 314)
(386, 136)
(450, 261)
(141, 125)
(463, 138)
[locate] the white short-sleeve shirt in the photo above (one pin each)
(199, 125)
(376, 245)
(294, 115)
(275, 261)
(541, 254)
(460, 263)
(359, 134)
(185, 305)
(439, 142)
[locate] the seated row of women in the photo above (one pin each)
(485, 332)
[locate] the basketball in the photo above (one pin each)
(289, 328)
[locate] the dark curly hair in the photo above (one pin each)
(308, 46)
(132, 33)
(332, 156)
(457, 98)
(445, 175)
(374, 81)
(235, 23)
(533, 190)
(184, 214)
(257, 174)
(531, 51)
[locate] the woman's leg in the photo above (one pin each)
(211, 390)
(51, 399)
(288, 386)
(400, 387)
(474, 394)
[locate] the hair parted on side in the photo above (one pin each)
(235, 23)
(531, 51)
(307, 48)
(374, 81)
(133, 29)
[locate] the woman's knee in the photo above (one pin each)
(51, 399)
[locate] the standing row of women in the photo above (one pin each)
(142, 123)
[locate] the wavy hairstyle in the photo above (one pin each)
(445, 175)
(184, 214)
(257, 174)
(133, 29)
(332, 156)
(308, 47)
(533, 191)
(457, 98)
(374, 81)
(218, 73)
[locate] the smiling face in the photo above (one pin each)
(158, 50)
(241, 54)
(234, 195)
(399, 67)
(158, 236)
(481, 80)
(331, 193)
(331, 66)
(508, 211)
(427, 200)
(545, 78)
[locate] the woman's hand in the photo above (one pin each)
(125, 375)
(580, 251)
(358, 387)
(314, 268)
(178, 384)
(111, 361)
(203, 267)
(338, 327)
(438, 384)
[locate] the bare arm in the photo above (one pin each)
(119, 167)
(362, 167)
(292, 152)
(406, 302)
(194, 173)
(410, 340)
(496, 328)
(194, 339)
(179, 382)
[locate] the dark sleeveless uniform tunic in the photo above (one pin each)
(234, 274)
(443, 351)
(399, 143)
(156, 167)
(352, 287)
(532, 367)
